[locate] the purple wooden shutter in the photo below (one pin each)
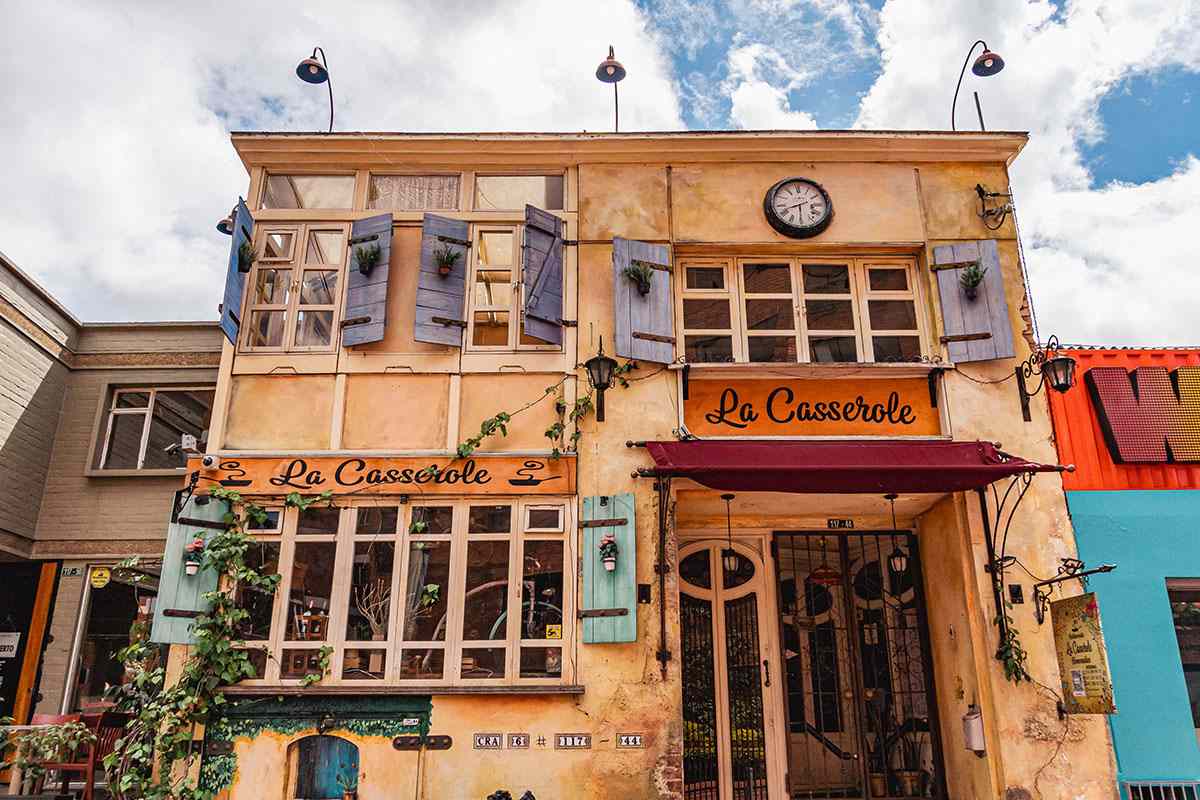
(235, 279)
(979, 329)
(542, 273)
(645, 324)
(441, 299)
(366, 294)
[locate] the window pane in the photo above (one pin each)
(258, 660)
(125, 441)
(176, 413)
(266, 328)
(313, 328)
(772, 348)
(325, 247)
(770, 315)
(897, 348)
(271, 287)
(413, 192)
(826, 279)
(541, 662)
(512, 192)
(892, 315)
(312, 585)
(132, 399)
(825, 349)
(263, 558)
(319, 287)
(278, 245)
(829, 315)
(696, 569)
(309, 191)
(888, 280)
(360, 664)
(483, 662)
(708, 349)
(370, 591)
(490, 519)
(422, 664)
(705, 277)
(294, 664)
(493, 288)
(427, 591)
(491, 329)
(767, 278)
(542, 590)
(319, 519)
(486, 600)
(271, 523)
(374, 521)
(496, 248)
(432, 520)
(706, 314)
(545, 519)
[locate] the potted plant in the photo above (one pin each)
(910, 772)
(367, 258)
(446, 258)
(348, 780)
(970, 279)
(246, 257)
(193, 555)
(641, 274)
(608, 552)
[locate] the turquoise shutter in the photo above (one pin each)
(603, 589)
(235, 277)
(181, 596)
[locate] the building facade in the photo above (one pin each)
(87, 411)
(771, 567)
(1135, 502)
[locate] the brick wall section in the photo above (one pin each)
(56, 657)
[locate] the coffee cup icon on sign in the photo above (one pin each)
(526, 475)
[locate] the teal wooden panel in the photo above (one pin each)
(177, 590)
(604, 589)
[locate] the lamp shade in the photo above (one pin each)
(988, 63)
(312, 71)
(1059, 372)
(225, 226)
(610, 70)
(898, 562)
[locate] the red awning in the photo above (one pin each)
(838, 467)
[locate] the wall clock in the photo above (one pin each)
(798, 207)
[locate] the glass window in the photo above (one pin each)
(309, 191)
(707, 314)
(1184, 595)
(514, 192)
(413, 192)
(144, 428)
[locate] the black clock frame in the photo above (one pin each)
(788, 229)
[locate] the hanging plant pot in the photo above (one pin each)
(971, 292)
(970, 280)
(641, 275)
(608, 552)
(445, 259)
(191, 567)
(610, 564)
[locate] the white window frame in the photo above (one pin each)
(148, 412)
(516, 308)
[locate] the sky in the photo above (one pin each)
(115, 119)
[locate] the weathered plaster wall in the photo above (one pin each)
(396, 412)
(278, 413)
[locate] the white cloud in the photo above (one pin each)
(759, 78)
(118, 161)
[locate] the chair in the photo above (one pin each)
(107, 726)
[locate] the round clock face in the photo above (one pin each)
(798, 207)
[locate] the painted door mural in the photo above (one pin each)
(856, 667)
(725, 669)
(326, 766)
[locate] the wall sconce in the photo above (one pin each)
(1050, 367)
(225, 226)
(600, 369)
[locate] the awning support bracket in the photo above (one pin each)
(1069, 569)
(663, 486)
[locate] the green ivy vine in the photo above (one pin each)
(1009, 651)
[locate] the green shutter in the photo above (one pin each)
(181, 595)
(609, 590)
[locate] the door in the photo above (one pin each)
(725, 667)
(856, 667)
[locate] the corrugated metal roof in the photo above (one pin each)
(1081, 441)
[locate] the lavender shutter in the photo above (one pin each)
(979, 329)
(235, 279)
(542, 273)
(645, 324)
(366, 294)
(441, 300)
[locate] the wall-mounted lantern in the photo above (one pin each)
(898, 560)
(1050, 367)
(600, 369)
(729, 556)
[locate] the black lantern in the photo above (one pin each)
(310, 70)
(898, 560)
(611, 71)
(600, 369)
(1049, 366)
(729, 556)
(986, 65)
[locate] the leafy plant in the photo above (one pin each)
(445, 257)
(970, 279)
(608, 547)
(193, 551)
(297, 500)
(347, 778)
(322, 668)
(1010, 651)
(246, 257)
(368, 257)
(47, 743)
(642, 274)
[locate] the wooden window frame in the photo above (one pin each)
(727, 293)
(517, 173)
(110, 411)
(458, 201)
(516, 308)
(453, 643)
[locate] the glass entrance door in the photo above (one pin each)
(725, 670)
(858, 681)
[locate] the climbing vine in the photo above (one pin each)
(152, 760)
(1009, 651)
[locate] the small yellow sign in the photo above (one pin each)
(1082, 657)
(100, 577)
(554, 631)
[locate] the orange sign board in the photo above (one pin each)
(805, 407)
(350, 475)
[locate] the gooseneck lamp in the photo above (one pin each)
(986, 65)
(611, 71)
(600, 369)
(225, 226)
(310, 70)
(1050, 366)
(729, 556)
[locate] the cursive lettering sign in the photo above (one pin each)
(354, 472)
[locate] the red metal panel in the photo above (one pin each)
(1080, 436)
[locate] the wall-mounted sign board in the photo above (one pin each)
(405, 475)
(810, 407)
(1082, 658)
(1148, 415)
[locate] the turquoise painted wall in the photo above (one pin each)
(1150, 536)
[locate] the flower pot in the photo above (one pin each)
(610, 564)
(910, 782)
(878, 784)
(643, 288)
(444, 270)
(350, 795)
(972, 292)
(191, 567)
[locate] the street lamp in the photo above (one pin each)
(611, 71)
(600, 369)
(986, 65)
(312, 71)
(1049, 366)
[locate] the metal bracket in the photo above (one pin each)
(569, 323)
(452, 240)
(965, 337)
(612, 522)
(346, 323)
(954, 265)
(653, 337)
(1070, 569)
(203, 523)
(589, 613)
(687, 370)
(934, 375)
(181, 613)
(447, 321)
(370, 237)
